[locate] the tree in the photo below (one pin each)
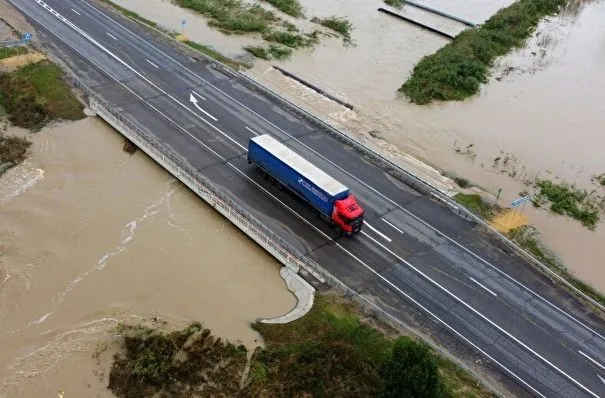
(411, 371)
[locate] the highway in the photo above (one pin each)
(414, 254)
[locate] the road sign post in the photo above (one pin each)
(183, 23)
(26, 37)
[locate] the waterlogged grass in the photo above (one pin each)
(271, 52)
(394, 3)
(328, 352)
(601, 179)
(339, 25)
(232, 16)
(12, 151)
(11, 52)
(528, 238)
(290, 7)
(476, 204)
(568, 200)
(457, 70)
(36, 93)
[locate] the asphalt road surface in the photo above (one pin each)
(413, 253)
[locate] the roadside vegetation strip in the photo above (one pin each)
(35, 94)
(476, 204)
(328, 352)
(290, 7)
(212, 53)
(528, 238)
(271, 52)
(458, 69)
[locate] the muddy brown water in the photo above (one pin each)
(542, 105)
(91, 236)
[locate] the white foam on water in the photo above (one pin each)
(18, 180)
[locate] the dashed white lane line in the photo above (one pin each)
(152, 64)
(392, 226)
(591, 360)
(252, 131)
(110, 35)
(75, 11)
(486, 289)
(383, 236)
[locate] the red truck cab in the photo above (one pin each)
(348, 215)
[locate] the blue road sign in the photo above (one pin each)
(183, 22)
(520, 201)
(27, 36)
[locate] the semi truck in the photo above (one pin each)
(332, 200)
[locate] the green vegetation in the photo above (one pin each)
(340, 25)
(568, 200)
(290, 7)
(212, 53)
(394, 3)
(289, 39)
(601, 179)
(232, 16)
(11, 52)
(476, 204)
(272, 52)
(328, 352)
(181, 363)
(35, 94)
(457, 70)
(12, 151)
(528, 238)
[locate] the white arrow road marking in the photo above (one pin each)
(600, 378)
(193, 100)
(193, 92)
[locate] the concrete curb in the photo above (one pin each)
(304, 292)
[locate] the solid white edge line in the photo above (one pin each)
(464, 303)
(591, 360)
(152, 64)
(202, 98)
(76, 11)
(252, 131)
(489, 291)
(345, 171)
(392, 226)
(378, 232)
(45, 6)
(110, 35)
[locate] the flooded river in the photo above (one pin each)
(542, 106)
(91, 236)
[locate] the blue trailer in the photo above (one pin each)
(329, 197)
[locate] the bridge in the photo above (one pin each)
(421, 260)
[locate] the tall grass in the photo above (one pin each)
(339, 25)
(458, 69)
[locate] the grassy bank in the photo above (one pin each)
(476, 204)
(457, 70)
(528, 238)
(394, 3)
(328, 352)
(36, 93)
(13, 151)
(212, 53)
